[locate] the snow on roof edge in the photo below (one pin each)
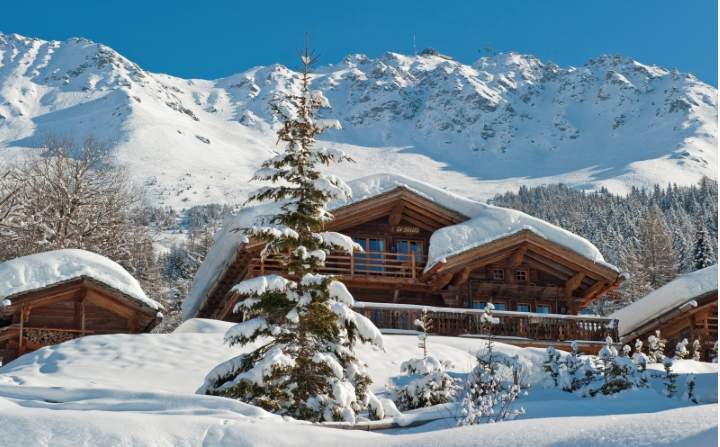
(42, 270)
(666, 298)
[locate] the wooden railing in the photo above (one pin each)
(524, 326)
(378, 264)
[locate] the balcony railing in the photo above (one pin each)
(370, 264)
(523, 326)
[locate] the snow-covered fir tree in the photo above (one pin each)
(702, 253)
(305, 365)
(639, 358)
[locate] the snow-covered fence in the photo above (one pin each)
(522, 326)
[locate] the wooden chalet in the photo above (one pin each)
(537, 286)
(686, 307)
(52, 297)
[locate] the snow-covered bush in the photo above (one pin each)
(429, 384)
(696, 350)
(656, 348)
(307, 369)
(491, 388)
(425, 324)
(670, 379)
(681, 351)
(551, 365)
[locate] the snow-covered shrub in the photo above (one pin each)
(641, 360)
(696, 350)
(551, 365)
(619, 372)
(425, 324)
(575, 372)
(491, 388)
(670, 380)
(430, 384)
(681, 351)
(656, 348)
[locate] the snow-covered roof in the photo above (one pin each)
(487, 223)
(41, 270)
(491, 223)
(668, 297)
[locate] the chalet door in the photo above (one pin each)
(372, 258)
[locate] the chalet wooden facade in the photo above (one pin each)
(537, 286)
(68, 306)
(686, 307)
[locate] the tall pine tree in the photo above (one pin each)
(657, 254)
(702, 254)
(305, 366)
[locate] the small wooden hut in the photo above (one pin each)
(55, 296)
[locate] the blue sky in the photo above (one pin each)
(214, 38)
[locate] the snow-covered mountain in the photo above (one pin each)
(477, 129)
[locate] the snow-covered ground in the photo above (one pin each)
(139, 390)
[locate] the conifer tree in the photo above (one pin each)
(307, 368)
(425, 324)
(696, 350)
(657, 253)
(702, 254)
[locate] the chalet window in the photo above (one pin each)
(372, 258)
(497, 274)
(408, 246)
(542, 308)
(478, 304)
(500, 306)
(521, 275)
(522, 307)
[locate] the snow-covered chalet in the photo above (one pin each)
(425, 247)
(55, 296)
(686, 307)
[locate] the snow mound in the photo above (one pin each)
(673, 294)
(491, 223)
(41, 270)
(487, 223)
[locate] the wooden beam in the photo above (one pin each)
(396, 214)
(461, 278)
(441, 280)
(592, 292)
(573, 283)
(517, 257)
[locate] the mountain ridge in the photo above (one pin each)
(477, 129)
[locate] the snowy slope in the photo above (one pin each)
(475, 129)
(137, 390)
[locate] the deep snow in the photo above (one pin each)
(139, 390)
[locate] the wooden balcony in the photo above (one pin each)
(521, 328)
(392, 267)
